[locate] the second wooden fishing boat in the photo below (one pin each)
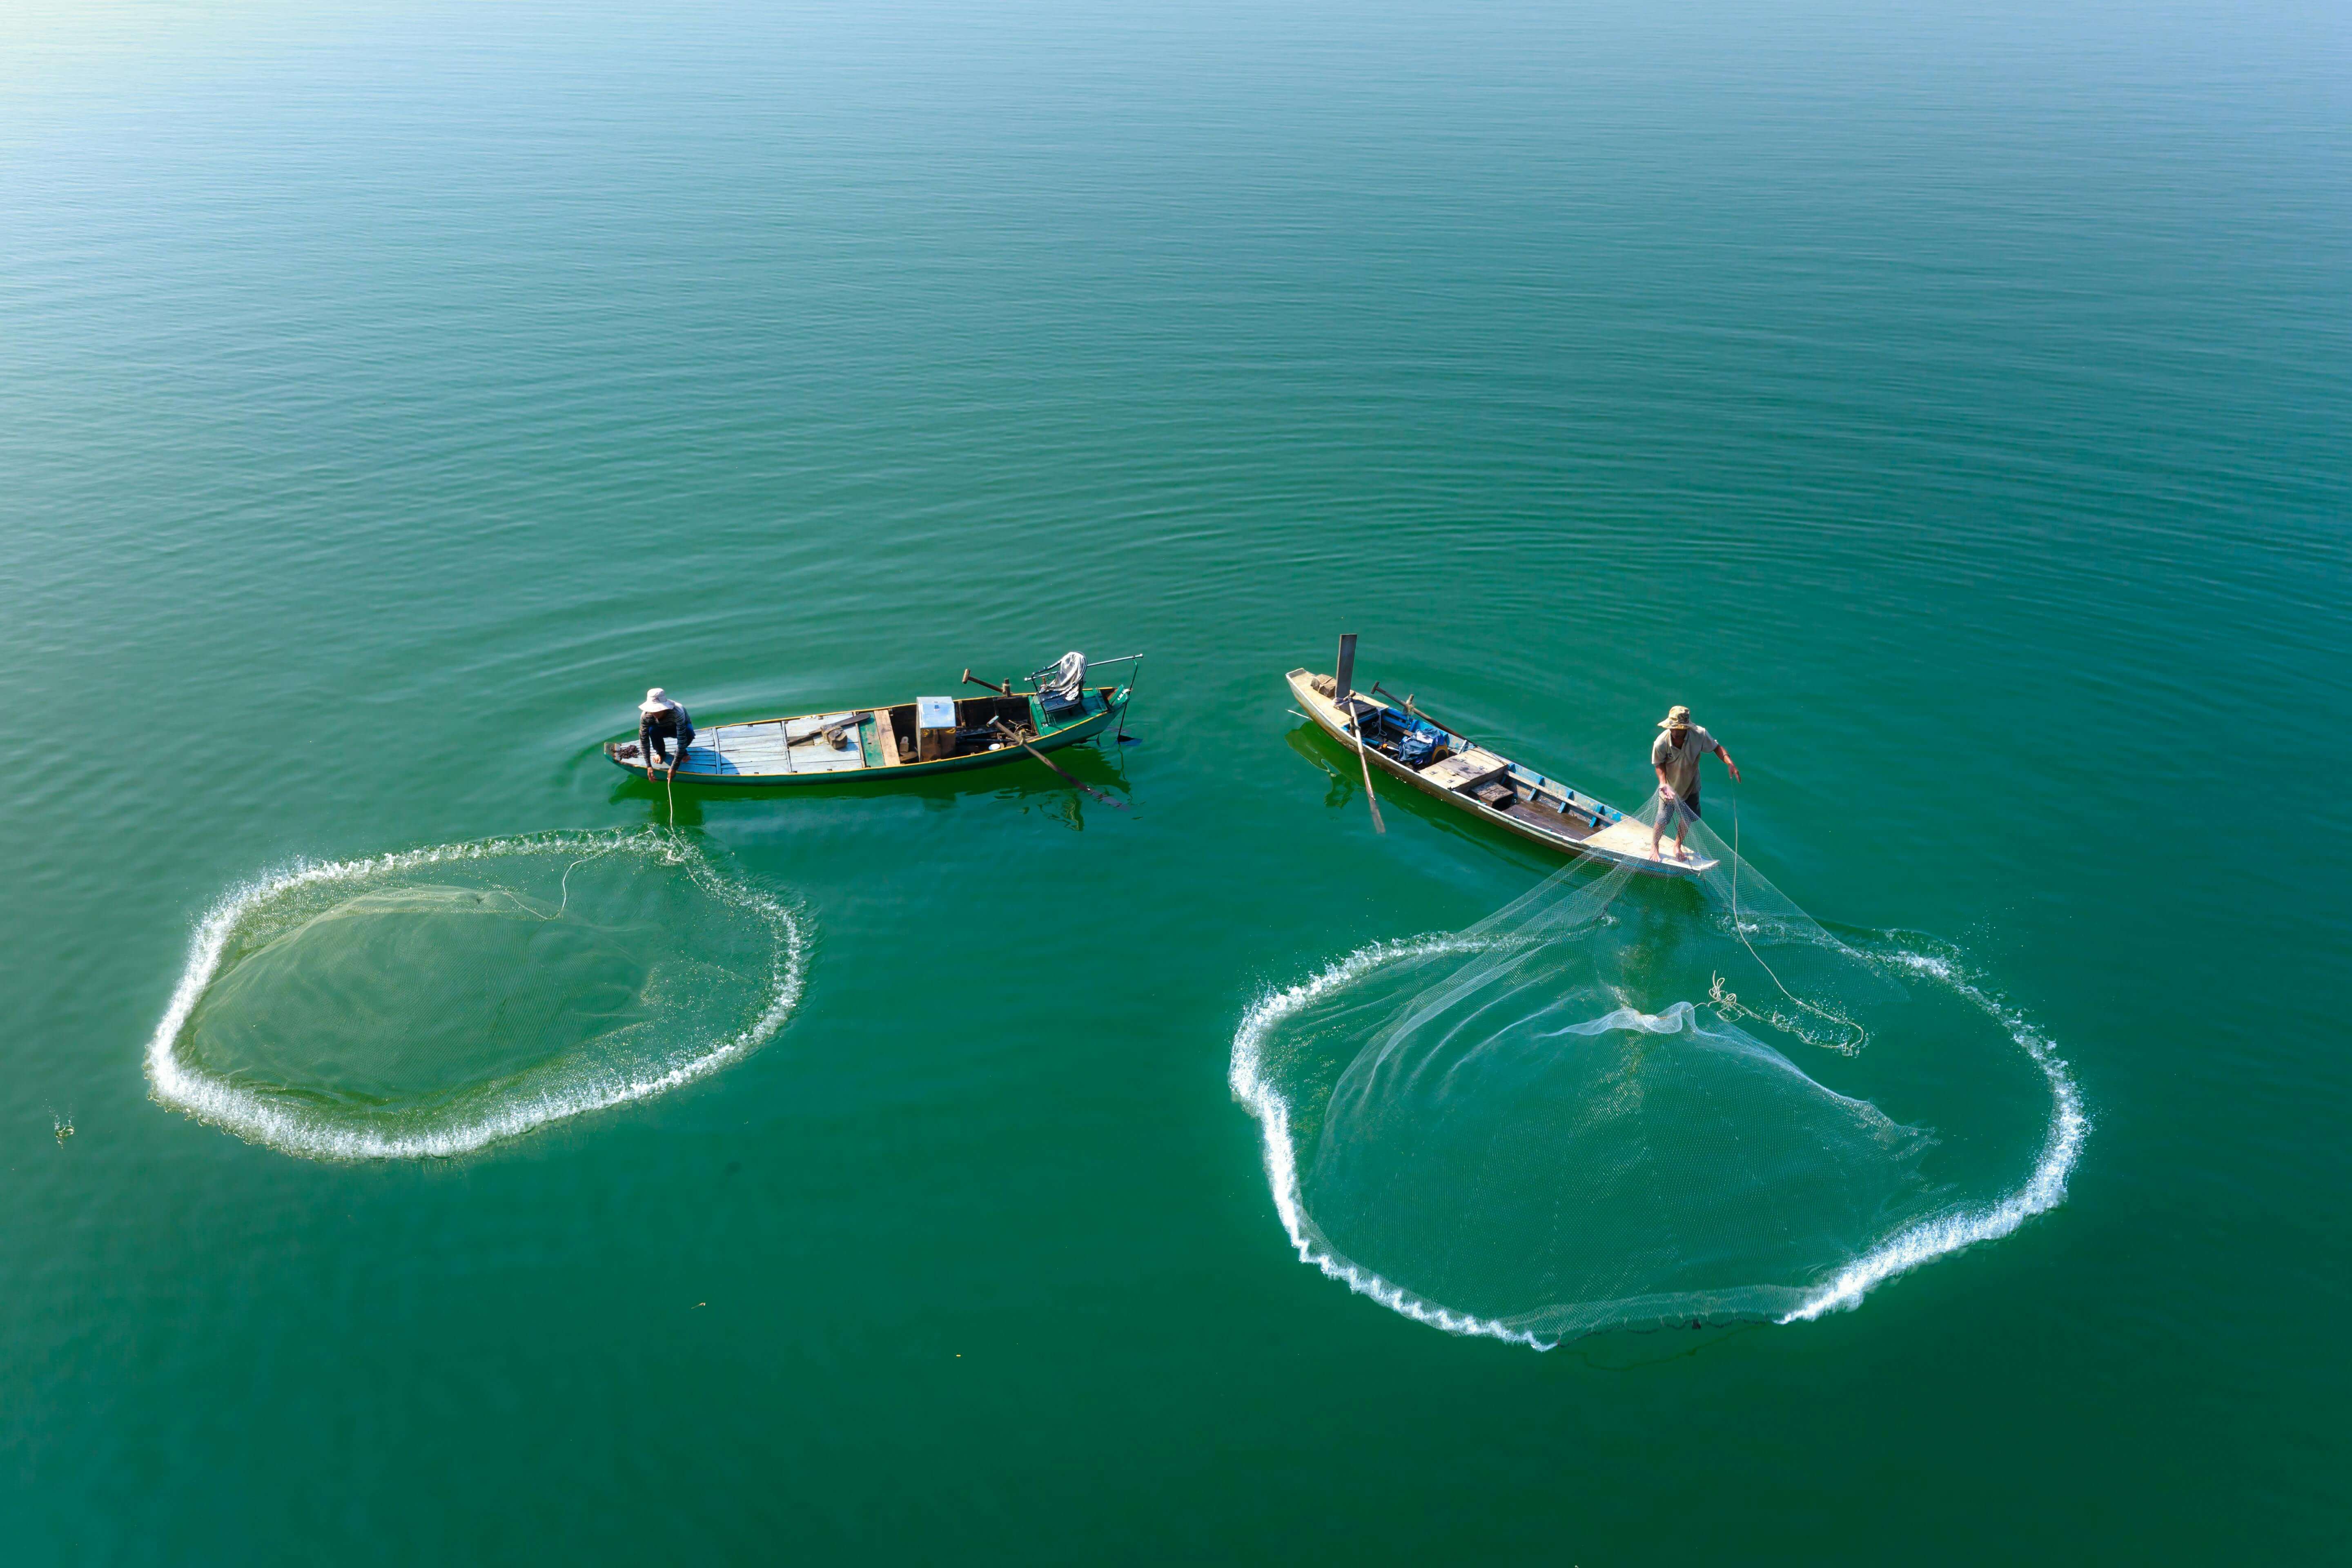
(928, 735)
(1409, 745)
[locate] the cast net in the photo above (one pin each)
(1617, 1104)
(432, 1002)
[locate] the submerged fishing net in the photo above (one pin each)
(432, 1002)
(1617, 1104)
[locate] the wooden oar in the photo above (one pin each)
(1365, 761)
(1014, 737)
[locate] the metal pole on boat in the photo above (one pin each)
(1123, 738)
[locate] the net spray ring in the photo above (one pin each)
(432, 1002)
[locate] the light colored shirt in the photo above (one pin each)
(1681, 763)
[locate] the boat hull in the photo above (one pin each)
(708, 761)
(1582, 826)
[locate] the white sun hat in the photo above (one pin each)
(656, 701)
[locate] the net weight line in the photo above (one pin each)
(1727, 1002)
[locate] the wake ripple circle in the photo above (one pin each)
(310, 1126)
(1907, 1247)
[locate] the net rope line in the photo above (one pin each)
(1729, 1001)
(669, 785)
(566, 886)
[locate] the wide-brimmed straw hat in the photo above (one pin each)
(656, 701)
(1677, 718)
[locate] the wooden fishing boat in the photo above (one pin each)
(928, 735)
(1409, 745)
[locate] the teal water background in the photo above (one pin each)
(1954, 408)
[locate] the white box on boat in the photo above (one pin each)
(935, 728)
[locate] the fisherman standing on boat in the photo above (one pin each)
(1675, 754)
(660, 718)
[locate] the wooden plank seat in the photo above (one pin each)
(807, 750)
(1465, 770)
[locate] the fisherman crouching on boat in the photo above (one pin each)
(660, 718)
(1675, 754)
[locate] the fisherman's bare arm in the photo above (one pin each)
(1726, 762)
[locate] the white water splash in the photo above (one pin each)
(2043, 1189)
(251, 1116)
(1272, 1112)
(1914, 1245)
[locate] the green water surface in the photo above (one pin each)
(1952, 406)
